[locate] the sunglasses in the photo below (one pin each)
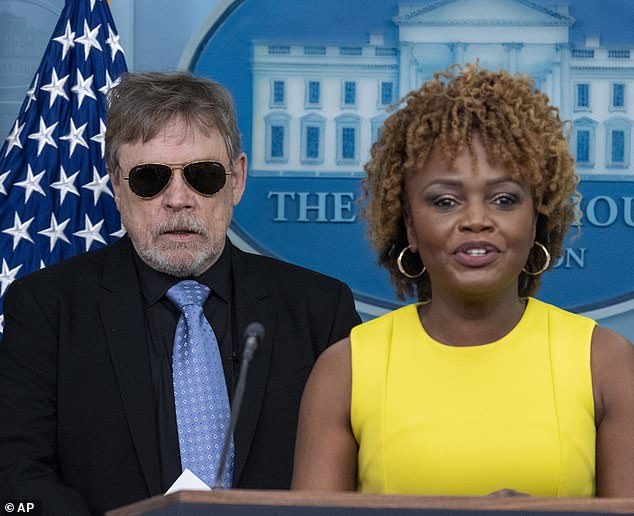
(147, 180)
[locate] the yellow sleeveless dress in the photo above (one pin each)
(444, 420)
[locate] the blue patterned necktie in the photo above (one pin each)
(200, 392)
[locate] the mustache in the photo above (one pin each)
(180, 223)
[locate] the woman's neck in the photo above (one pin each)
(459, 321)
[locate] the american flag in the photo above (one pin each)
(55, 200)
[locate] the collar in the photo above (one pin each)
(155, 284)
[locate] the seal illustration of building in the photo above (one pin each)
(318, 107)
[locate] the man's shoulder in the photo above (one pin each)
(77, 268)
(322, 305)
(279, 272)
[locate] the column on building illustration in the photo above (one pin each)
(563, 49)
(407, 69)
(513, 51)
(458, 50)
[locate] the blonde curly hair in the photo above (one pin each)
(518, 128)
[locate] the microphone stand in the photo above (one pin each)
(254, 333)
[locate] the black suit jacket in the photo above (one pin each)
(77, 423)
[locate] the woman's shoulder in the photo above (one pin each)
(604, 340)
(335, 353)
(556, 311)
(563, 325)
(612, 365)
(612, 356)
(388, 319)
(611, 349)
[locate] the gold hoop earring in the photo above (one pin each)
(399, 263)
(546, 264)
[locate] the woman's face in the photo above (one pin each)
(472, 226)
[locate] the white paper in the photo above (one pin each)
(187, 481)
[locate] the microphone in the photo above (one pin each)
(252, 337)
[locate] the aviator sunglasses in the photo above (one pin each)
(147, 180)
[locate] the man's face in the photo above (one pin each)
(179, 231)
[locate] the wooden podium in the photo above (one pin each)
(241, 502)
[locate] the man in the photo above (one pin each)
(89, 397)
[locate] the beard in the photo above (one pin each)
(180, 259)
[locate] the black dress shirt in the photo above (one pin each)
(161, 318)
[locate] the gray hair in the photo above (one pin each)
(141, 104)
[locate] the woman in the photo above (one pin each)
(478, 388)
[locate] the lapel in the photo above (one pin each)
(121, 308)
(252, 303)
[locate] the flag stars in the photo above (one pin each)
(108, 85)
(75, 137)
(3, 177)
(98, 185)
(91, 232)
(49, 150)
(31, 183)
(55, 231)
(14, 138)
(7, 276)
(56, 88)
(120, 233)
(30, 93)
(66, 40)
(113, 43)
(44, 136)
(19, 231)
(100, 137)
(89, 39)
(65, 185)
(83, 88)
